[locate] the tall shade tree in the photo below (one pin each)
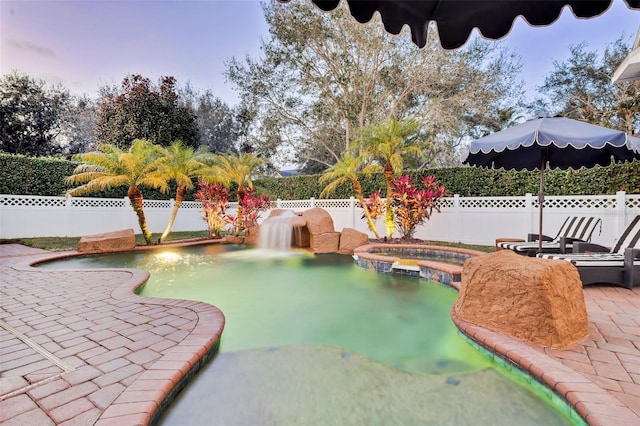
(31, 115)
(111, 167)
(322, 77)
(78, 123)
(140, 110)
(239, 169)
(218, 128)
(391, 142)
(580, 88)
(184, 164)
(346, 170)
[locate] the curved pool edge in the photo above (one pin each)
(145, 400)
(177, 366)
(587, 398)
(556, 382)
(559, 382)
(584, 397)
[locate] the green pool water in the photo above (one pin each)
(275, 299)
(276, 302)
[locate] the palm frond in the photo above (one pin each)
(333, 185)
(97, 184)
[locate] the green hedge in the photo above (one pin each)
(45, 176)
(33, 176)
(477, 182)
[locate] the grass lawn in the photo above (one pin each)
(71, 243)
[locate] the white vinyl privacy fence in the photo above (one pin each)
(471, 220)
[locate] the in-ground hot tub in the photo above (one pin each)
(437, 263)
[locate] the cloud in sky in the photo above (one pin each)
(28, 47)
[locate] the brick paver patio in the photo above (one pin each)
(80, 348)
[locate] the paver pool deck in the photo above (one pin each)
(80, 348)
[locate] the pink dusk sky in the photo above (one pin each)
(87, 44)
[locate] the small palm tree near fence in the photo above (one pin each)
(390, 143)
(111, 167)
(384, 148)
(239, 169)
(346, 170)
(184, 164)
(148, 164)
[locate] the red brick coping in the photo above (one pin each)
(146, 399)
(593, 403)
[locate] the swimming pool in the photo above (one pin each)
(277, 303)
(275, 299)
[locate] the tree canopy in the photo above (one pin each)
(140, 110)
(581, 88)
(327, 76)
(219, 126)
(31, 115)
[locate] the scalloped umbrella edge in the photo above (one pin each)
(554, 142)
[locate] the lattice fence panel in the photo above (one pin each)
(157, 204)
(333, 204)
(190, 205)
(446, 203)
(493, 203)
(633, 202)
(17, 201)
(98, 202)
(578, 203)
(295, 204)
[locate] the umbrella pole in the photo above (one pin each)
(541, 203)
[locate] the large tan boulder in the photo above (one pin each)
(327, 242)
(318, 221)
(530, 299)
(111, 241)
(351, 239)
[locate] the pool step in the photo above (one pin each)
(405, 265)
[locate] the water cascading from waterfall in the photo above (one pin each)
(276, 231)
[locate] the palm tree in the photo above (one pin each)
(346, 170)
(184, 164)
(238, 169)
(505, 118)
(391, 141)
(111, 167)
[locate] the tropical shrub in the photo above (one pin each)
(252, 207)
(375, 206)
(214, 198)
(412, 206)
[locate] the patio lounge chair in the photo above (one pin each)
(575, 228)
(620, 265)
